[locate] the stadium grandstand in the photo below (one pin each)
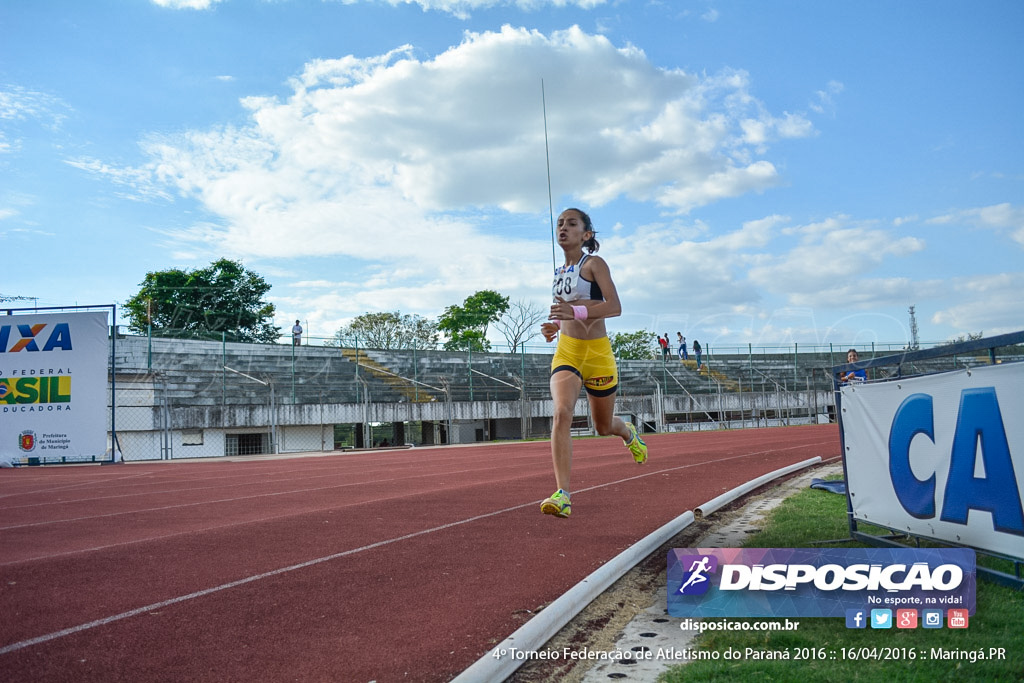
(179, 398)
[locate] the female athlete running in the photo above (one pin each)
(584, 295)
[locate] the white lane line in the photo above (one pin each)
(368, 482)
(74, 485)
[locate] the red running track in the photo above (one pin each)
(396, 566)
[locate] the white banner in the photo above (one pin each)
(940, 456)
(53, 387)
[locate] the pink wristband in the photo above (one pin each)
(579, 312)
(557, 323)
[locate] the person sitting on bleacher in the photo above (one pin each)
(858, 375)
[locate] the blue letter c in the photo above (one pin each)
(913, 417)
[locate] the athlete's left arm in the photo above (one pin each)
(601, 275)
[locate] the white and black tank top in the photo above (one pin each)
(569, 285)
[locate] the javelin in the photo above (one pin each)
(547, 158)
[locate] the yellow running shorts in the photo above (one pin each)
(591, 360)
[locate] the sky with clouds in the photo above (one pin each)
(758, 172)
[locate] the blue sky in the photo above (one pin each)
(759, 172)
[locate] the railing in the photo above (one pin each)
(711, 349)
(315, 373)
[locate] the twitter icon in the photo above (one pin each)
(881, 618)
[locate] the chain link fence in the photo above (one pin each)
(200, 398)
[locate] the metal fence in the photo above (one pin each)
(192, 398)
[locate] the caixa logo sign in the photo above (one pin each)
(38, 337)
(785, 582)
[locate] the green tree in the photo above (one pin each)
(388, 330)
(970, 336)
(466, 325)
(221, 299)
(637, 345)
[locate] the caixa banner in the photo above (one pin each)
(940, 456)
(53, 387)
(817, 582)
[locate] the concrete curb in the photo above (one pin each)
(499, 663)
(729, 496)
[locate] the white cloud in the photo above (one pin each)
(14, 204)
(999, 217)
(423, 175)
(824, 100)
(768, 269)
(836, 250)
(186, 4)
(140, 182)
(659, 261)
(378, 149)
(462, 8)
(867, 294)
(18, 103)
(985, 303)
(18, 106)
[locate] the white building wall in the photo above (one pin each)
(304, 438)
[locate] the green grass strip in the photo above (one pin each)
(831, 652)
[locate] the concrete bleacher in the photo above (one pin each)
(426, 375)
(193, 372)
(503, 376)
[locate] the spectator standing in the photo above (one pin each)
(296, 334)
(696, 352)
(682, 346)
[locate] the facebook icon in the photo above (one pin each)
(856, 618)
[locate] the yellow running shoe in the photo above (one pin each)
(636, 445)
(558, 504)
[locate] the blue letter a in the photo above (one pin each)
(997, 492)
